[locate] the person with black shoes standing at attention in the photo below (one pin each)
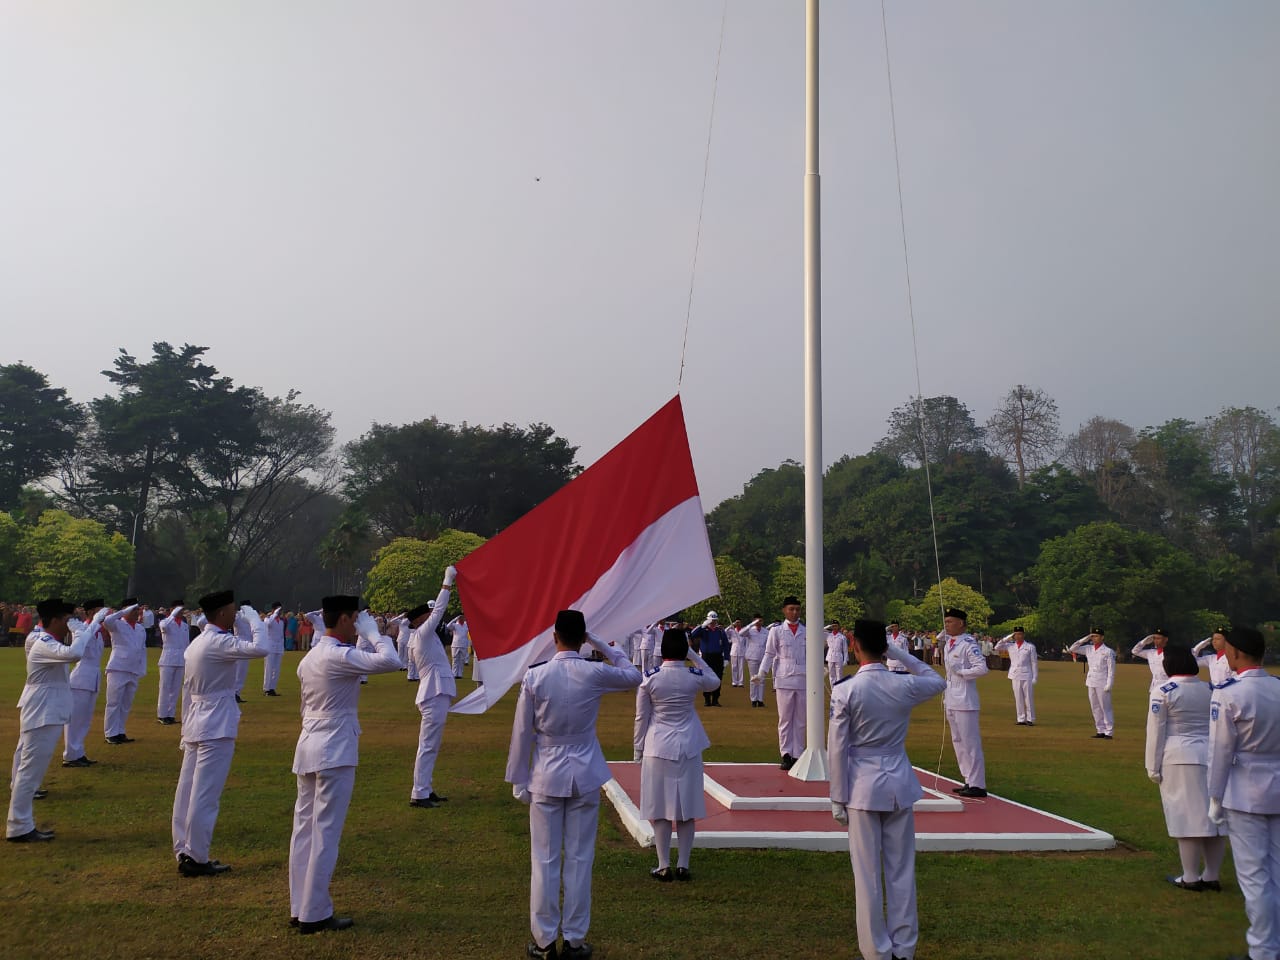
(1024, 671)
(125, 667)
(874, 789)
(328, 750)
(275, 640)
(175, 637)
(436, 689)
(212, 720)
(964, 663)
(1100, 674)
(784, 655)
(556, 766)
(44, 707)
(85, 680)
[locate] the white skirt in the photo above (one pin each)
(671, 789)
(1184, 792)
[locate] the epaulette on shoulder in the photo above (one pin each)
(695, 671)
(651, 671)
(847, 676)
(1169, 687)
(538, 664)
(1226, 683)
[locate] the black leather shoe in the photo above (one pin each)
(192, 868)
(1213, 885)
(436, 798)
(1107, 736)
(1195, 886)
(167, 721)
(788, 761)
(960, 789)
(662, 874)
(293, 921)
(581, 952)
(239, 699)
(972, 793)
(119, 738)
(683, 874)
(78, 762)
(535, 952)
(1099, 736)
(40, 794)
(1030, 723)
(272, 693)
(426, 802)
(31, 836)
(333, 923)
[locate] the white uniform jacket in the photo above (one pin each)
(837, 648)
(175, 637)
(784, 655)
(1155, 660)
(1102, 663)
(210, 682)
(330, 677)
(1023, 662)
(667, 724)
(964, 663)
(870, 711)
(128, 644)
(1178, 724)
(460, 634)
(46, 698)
(275, 631)
(87, 674)
(554, 751)
(434, 669)
(754, 639)
(1244, 743)
(736, 647)
(1214, 661)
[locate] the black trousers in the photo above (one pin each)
(716, 662)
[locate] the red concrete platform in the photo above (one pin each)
(759, 805)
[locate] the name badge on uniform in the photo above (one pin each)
(1213, 712)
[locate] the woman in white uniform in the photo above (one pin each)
(1177, 759)
(668, 742)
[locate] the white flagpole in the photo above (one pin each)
(812, 764)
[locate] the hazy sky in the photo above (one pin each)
(485, 211)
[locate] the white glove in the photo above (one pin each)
(250, 615)
(76, 625)
(757, 679)
(841, 814)
(366, 626)
(1106, 689)
(637, 756)
(521, 793)
(450, 575)
(1155, 777)
(1215, 812)
(895, 652)
(316, 619)
(101, 614)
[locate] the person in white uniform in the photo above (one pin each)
(964, 663)
(556, 766)
(784, 655)
(210, 726)
(44, 708)
(898, 639)
(406, 647)
(1151, 649)
(85, 681)
(1177, 758)
(436, 690)
(1024, 671)
(737, 654)
(1244, 784)
(175, 637)
(125, 667)
(328, 751)
(1100, 674)
(754, 637)
(275, 643)
(648, 641)
(874, 788)
(460, 646)
(668, 740)
(1215, 660)
(837, 652)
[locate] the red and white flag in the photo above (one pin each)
(625, 542)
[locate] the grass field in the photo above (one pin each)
(453, 882)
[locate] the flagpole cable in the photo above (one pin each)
(915, 352)
(702, 197)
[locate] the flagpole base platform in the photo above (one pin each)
(811, 766)
(757, 805)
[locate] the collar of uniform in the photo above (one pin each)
(871, 666)
(567, 655)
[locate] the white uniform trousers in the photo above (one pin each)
(318, 817)
(170, 688)
(205, 765)
(967, 740)
(271, 671)
(30, 761)
(557, 823)
(637, 657)
(242, 674)
(77, 728)
(737, 664)
(884, 841)
(1255, 847)
(757, 686)
(791, 721)
(1024, 700)
(459, 661)
(834, 672)
(1100, 704)
(434, 713)
(121, 688)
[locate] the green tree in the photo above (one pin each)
(786, 579)
(739, 596)
(420, 478)
(71, 558)
(843, 604)
(13, 585)
(766, 519)
(1126, 580)
(38, 428)
(407, 572)
(927, 614)
(931, 428)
